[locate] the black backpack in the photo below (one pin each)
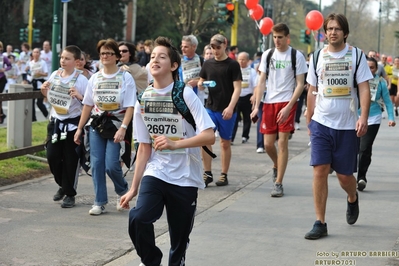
(316, 55)
(182, 108)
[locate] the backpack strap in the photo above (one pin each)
(268, 59)
(358, 59)
(181, 106)
(316, 55)
(293, 61)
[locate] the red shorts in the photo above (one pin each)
(269, 119)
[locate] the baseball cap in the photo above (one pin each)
(218, 39)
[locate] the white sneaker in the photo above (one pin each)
(297, 126)
(118, 203)
(97, 210)
(260, 150)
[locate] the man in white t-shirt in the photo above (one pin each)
(285, 86)
(47, 55)
(332, 118)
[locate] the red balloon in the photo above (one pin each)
(251, 4)
(389, 59)
(266, 25)
(314, 20)
(256, 13)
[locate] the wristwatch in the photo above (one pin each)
(124, 126)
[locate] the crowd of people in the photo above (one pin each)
(168, 104)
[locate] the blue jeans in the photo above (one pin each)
(104, 158)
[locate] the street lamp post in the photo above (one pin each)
(64, 22)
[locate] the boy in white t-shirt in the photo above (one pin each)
(168, 167)
(279, 107)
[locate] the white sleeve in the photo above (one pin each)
(311, 78)
(201, 117)
(129, 93)
(301, 66)
(140, 131)
(88, 98)
(262, 66)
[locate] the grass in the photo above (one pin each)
(16, 167)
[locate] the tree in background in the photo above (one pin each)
(90, 21)
(11, 20)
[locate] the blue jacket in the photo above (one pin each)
(382, 93)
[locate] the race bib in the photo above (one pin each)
(374, 87)
(59, 98)
(337, 76)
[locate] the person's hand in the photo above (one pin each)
(161, 142)
(45, 87)
(391, 123)
(283, 115)
(126, 68)
(361, 127)
(125, 199)
(119, 135)
(227, 113)
(254, 112)
(193, 83)
(73, 92)
(76, 137)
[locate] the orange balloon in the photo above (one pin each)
(251, 4)
(256, 13)
(314, 20)
(266, 25)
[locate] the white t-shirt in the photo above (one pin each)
(281, 80)
(76, 106)
(249, 81)
(128, 93)
(337, 113)
(47, 57)
(181, 169)
(36, 66)
(24, 58)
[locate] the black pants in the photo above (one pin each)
(298, 113)
(365, 150)
(63, 161)
(39, 101)
(244, 106)
(180, 203)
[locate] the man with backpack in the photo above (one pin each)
(284, 68)
(338, 78)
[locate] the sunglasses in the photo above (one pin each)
(106, 54)
(123, 51)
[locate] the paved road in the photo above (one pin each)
(239, 224)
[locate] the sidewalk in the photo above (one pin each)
(239, 224)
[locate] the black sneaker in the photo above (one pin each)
(59, 195)
(222, 181)
(274, 174)
(352, 213)
(208, 178)
(68, 202)
(318, 230)
(361, 184)
(396, 112)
